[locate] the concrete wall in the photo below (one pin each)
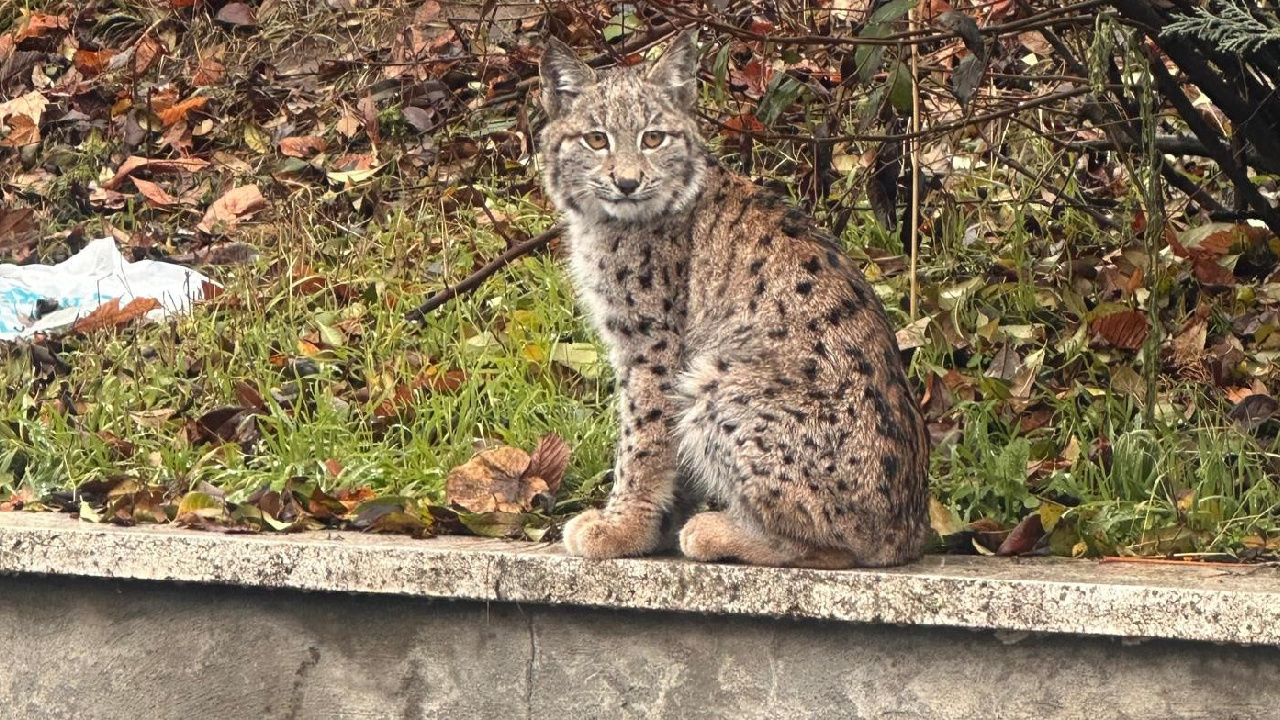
(92, 648)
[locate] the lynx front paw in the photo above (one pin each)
(596, 535)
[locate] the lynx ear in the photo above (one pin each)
(564, 77)
(676, 72)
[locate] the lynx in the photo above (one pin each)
(756, 368)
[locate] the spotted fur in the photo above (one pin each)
(755, 366)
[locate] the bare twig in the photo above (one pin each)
(1023, 170)
(938, 129)
(914, 150)
(1170, 145)
(474, 280)
(1216, 85)
(918, 36)
(1107, 115)
(1209, 136)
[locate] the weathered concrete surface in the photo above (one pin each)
(88, 649)
(1225, 605)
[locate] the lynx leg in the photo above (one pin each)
(688, 497)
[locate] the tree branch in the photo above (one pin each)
(1209, 136)
(474, 280)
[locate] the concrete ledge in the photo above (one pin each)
(93, 649)
(1054, 596)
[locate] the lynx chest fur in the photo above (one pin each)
(756, 369)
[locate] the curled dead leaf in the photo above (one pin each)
(144, 56)
(134, 163)
(208, 72)
(154, 194)
(1005, 364)
(40, 24)
(943, 519)
(22, 116)
(1253, 410)
(178, 111)
(494, 480)
(549, 461)
(1024, 537)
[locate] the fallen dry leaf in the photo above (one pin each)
(1188, 343)
(110, 314)
(208, 72)
(302, 146)
(178, 111)
(146, 54)
(1005, 364)
(22, 115)
(1024, 537)
(154, 193)
(235, 205)
(41, 24)
(1253, 410)
(134, 162)
(494, 480)
(549, 461)
(17, 228)
(91, 63)
(1125, 329)
(22, 131)
(237, 14)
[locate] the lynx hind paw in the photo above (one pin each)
(596, 535)
(711, 536)
(714, 536)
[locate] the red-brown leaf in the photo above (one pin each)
(302, 146)
(1126, 329)
(134, 163)
(549, 461)
(91, 63)
(178, 111)
(154, 193)
(1024, 537)
(110, 314)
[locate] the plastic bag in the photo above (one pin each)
(95, 275)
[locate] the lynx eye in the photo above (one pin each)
(653, 139)
(596, 140)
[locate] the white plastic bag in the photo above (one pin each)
(95, 275)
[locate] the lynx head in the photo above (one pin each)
(622, 144)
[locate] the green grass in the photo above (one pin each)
(143, 385)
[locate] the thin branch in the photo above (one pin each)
(1198, 69)
(1061, 194)
(1221, 153)
(1109, 112)
(1047, 17)
(1170, 145)
(474, 280)
(934, 130)
(914, 150)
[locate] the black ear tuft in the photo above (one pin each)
(676, 72)
(563, 75)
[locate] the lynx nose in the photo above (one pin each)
(627, 185)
